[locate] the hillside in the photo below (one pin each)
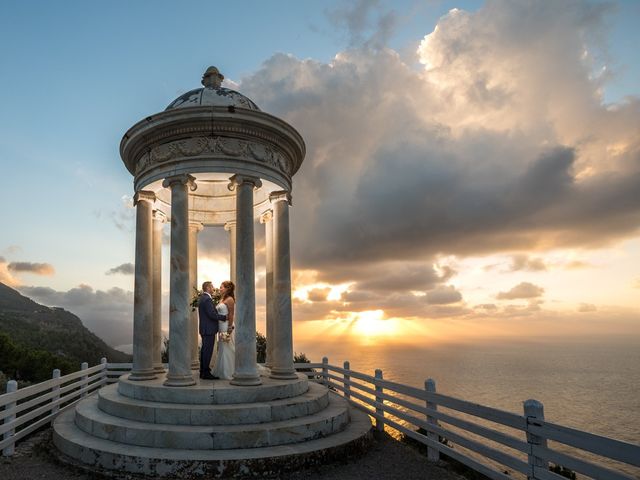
(54, 330)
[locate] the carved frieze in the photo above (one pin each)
(216, 146)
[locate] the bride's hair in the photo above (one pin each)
(231, 289)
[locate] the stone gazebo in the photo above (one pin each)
(212, 158)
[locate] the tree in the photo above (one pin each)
(261, 348)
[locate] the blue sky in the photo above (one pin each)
(76, 75)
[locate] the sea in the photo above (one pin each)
(590, 384)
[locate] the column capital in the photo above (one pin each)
(159, 216)
(229, 225)
(279, 196)
(238, 180)
(197, 226)
(266, 216)
(184, 179)
(144, 196)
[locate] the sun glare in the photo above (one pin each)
(216, 271)
(371, 323)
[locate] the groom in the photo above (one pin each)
(208, 328)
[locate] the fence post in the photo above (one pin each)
(12, 386)
(325, 370)
(84, 379)
(347, 379)
(56, 392)
(105, 367)
(379, 411)
(432, 453)
(534, 413)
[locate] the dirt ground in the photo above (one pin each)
(387, 459)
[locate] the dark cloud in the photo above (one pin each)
(443, 295)
(478, 154)
(522, 290)
(31, 267)
(107, 313)
(396, 276)
(124, 269)
(318, 294)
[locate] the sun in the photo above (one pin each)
(371, 323)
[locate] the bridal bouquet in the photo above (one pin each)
(216, 296)
(195, 298)
(224, 337)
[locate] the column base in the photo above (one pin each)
(179, 380)
(141, 375)
(283, 374)
(246, 380)
(195, 365)
(159, 368)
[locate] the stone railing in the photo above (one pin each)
(487, 440)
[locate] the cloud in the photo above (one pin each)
(395, 276)
(365, 23)
(318, 294)
(524, 262)
(576, 265)
(522, 290)
(107, 313)
(479, 153)
(30, 267)
(5, 275)
(443, 296)
(12, 250)
(124, 269)
(587, 307)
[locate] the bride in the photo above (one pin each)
(225, 360)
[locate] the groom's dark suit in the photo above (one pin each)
(208, 328)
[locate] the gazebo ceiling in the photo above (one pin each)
(212, 203)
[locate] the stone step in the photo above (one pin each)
(212, 392)
(312, 401)
(88, 451)
(91, 419)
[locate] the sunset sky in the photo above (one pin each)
(472, 168)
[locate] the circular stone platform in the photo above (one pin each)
(279, 426)
(213, 392)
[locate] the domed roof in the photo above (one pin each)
(213, 94)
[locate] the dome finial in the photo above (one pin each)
(212, 78)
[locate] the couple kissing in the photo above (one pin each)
(216, 308)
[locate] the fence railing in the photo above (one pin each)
(484, 439)
(28, 409)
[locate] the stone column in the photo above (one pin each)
(179, 374)
(194, 229)
(142, 291)
(282, 367)
(246, 370)
(230, 226)
(267, 219)
(158, 221)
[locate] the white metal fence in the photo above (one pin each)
(485, 439)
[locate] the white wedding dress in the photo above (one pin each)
(226, 357)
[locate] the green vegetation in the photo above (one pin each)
(563, 471)
(261, 348)
(35, 339)
(29, 365)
